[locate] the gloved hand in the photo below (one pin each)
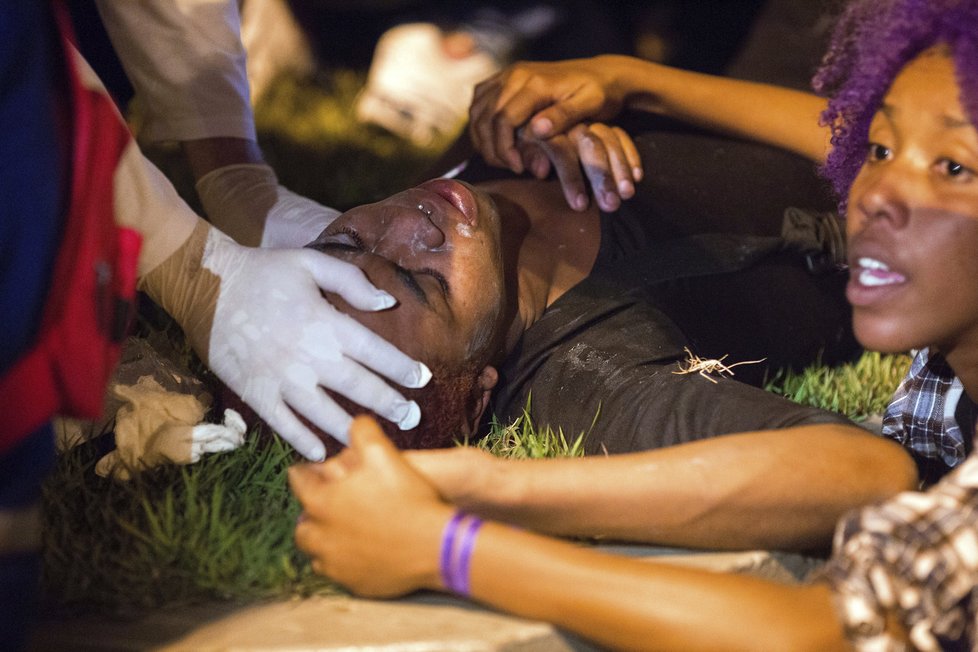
(246, 202)
(156, 426)
(258, 318)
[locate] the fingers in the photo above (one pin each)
(356, 340)
(564, 157)
(492, 127)
(348, 281)
(367, 390)
(572, 109)
(546, 99)
(371, 350)
(630, 150)
(599, 165)
(610, 162)
(369, 440)
(320, 410)
(282, 420)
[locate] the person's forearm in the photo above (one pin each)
(147, 202)
(632, 604)
(207, 154)
(778, 116)
(187, 64)
(771, 489)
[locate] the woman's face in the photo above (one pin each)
(436, 249)
(913, 217)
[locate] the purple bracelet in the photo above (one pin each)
(455, 561)
(447, 543)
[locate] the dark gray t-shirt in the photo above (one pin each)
(673, 270)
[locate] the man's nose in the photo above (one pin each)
(415, 231)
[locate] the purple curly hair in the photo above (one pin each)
(872, 42)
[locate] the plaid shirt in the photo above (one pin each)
(914, 557)
(921, 417)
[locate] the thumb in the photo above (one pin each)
(303, 478)
(564, 114)
(368, 440)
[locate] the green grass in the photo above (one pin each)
(859, 390)
(222, 528)
(522, 439)
(218, 529)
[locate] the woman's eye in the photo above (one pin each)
(955, 170)
(878, 152)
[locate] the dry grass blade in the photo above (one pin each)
(696, 364)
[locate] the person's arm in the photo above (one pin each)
(187, 64)
(376, 526)
(257, 317)
(549, 98)
(782, 489)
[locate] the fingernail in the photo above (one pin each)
(422, 378)
(412, 418)
(540, 168)
(637, 174)
(580, 202)
(543, 127)
(316, 454)
(384, 301)
(626, 189)
(515, 162)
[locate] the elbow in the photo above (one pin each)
(881, 469)
(894, 469)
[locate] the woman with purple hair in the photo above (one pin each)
(898, 139)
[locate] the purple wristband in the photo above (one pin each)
(447, 544)
(455, 560)
(460, 577)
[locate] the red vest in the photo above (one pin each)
(93, 288)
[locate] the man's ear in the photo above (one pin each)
(485, 383)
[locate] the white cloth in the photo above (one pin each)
(186, 61)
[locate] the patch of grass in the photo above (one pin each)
(222, 528)
(521, 439)
(859, 390)
(218, 529)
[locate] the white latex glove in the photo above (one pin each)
(258, 318)
(246, 201)
(156, 426)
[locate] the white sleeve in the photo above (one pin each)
(187, 64)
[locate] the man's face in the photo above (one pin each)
(436, 249)
(913, 217)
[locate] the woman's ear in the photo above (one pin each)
(485, 383)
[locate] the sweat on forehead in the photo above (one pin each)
(873, 40)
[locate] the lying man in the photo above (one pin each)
(591, 313)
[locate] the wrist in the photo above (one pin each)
(207, 154)
(432, 524)
(636, 83)
(185, 289)
(455, 552)
(237, 199)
